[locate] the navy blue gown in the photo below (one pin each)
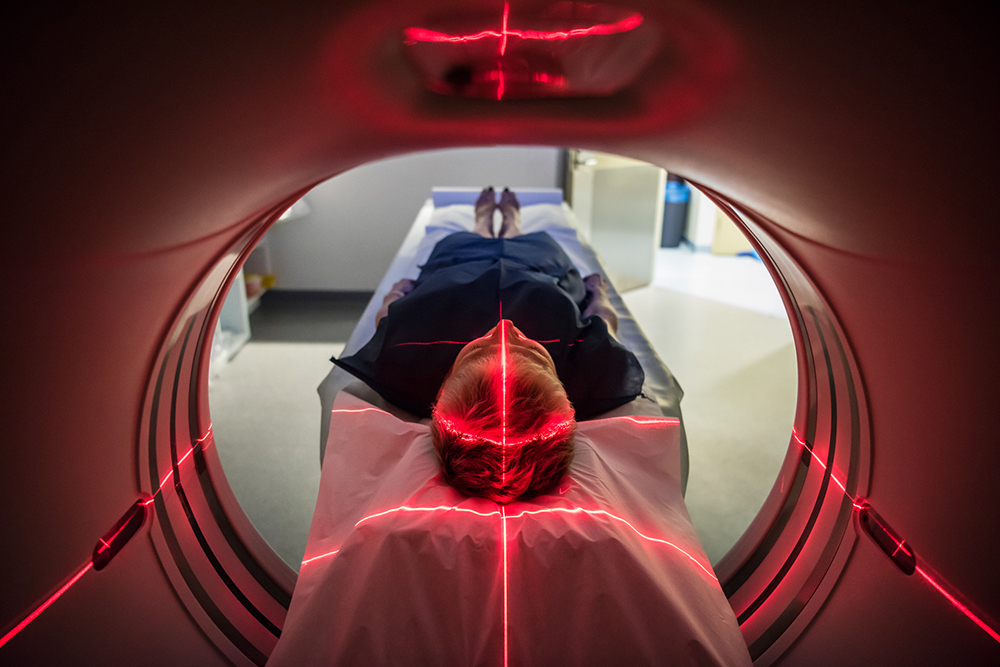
(458, 297)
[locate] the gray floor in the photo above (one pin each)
(266, 413)
(714, 320)
(737, 368)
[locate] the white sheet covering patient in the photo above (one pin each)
(603, 567)
(403, 569)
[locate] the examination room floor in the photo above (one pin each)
(716, 321)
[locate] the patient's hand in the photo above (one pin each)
(598, 302)
(400, 289)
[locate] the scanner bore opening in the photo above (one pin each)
(776, 576)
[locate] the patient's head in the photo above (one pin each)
(503, 425)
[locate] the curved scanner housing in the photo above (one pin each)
(154, 148)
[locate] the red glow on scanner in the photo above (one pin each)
(45, 605)
(505, 33)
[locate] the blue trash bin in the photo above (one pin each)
(675, 211)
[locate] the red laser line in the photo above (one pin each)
(649, 421)
(200, 442)
(900, 545)
(503, 398)
(329, 553)
(503, 522)
(550, 430)
(885, 529)
(580, 510)
(105, 545)
(820, 461)
(626, 24)
(203, 438)
(958, 605)
(503, 30)
(435, 342)
(45, 605)
(358, 410)
(413, 35)
(439, 508)
(466, 342)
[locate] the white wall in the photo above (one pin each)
(359, 219)
(701, 222)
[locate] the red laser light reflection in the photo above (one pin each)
(501, 511)
(650, 421)
(900, 545)
(413, 35)
(579, 510)
(503, 398)
(958, 605)
(506, 33)
(503, 526)
(833, 476)
(503, 420)
(321, 556)
(552, 429)
(438, 508)
(436, 342)
(200, 442)
(503, 28)
(45, 605)
(337, 410)
(466, 342)
(104, 545)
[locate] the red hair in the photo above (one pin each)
(503, 459)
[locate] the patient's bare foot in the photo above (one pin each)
(510, 209)
(484, 212)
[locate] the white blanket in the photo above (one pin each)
(402, 569)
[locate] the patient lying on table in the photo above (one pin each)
(526, 524)
(449, 340)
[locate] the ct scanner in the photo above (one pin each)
(146, 149)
